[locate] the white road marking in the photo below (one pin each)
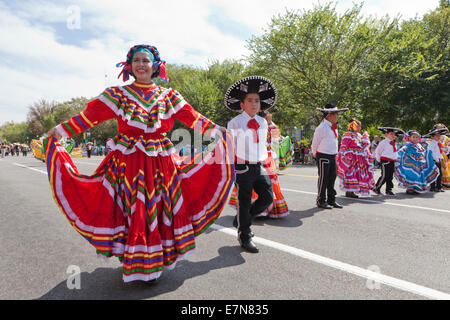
(373, 201)
(24, 166)
(364, 273)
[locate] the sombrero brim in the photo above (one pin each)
(255, 84)
(436, 131)
(332, 110)
(387, 129)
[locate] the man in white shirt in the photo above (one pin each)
(324, 148)
(386, 153)
(249, 131)
(433, 146)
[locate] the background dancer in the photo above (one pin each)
(386, 154)
(325, 148)
(415, 169)
(355, 162)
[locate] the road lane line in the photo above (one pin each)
(364, 273)
(24, 166)
(372, 201)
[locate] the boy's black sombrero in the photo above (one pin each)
(391, 129)
(255, 84)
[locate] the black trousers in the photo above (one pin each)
(437, 184)
(387, 175)
(326, 165)
(251, 177)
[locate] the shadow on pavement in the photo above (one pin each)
(373, 199)
(291, 221)
(107, 283)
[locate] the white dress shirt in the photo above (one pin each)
(245, 146)
(435, 151)
(324, 140)
(385, 150)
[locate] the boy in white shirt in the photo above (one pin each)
(386, 153)
(249, 96)
(433, 145)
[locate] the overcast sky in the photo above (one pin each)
(57, 50)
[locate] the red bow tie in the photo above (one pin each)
(254, 125)
(334, 127)
(393, 145)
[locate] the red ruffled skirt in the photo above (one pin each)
(144, 210)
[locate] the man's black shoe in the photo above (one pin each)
(390, 193)
(336, 205)
(249, 246)
(378, 192)
(351, 195)
(324, 206)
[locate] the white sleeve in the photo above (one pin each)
(379, 150)
(316, 140)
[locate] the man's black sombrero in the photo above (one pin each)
(331, 108)
(255, 84)
(391, 129)
(434, 132)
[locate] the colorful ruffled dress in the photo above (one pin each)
(415, 168)
(355, 164)
(278, 208)
(445, 165)
(282, 148)
(141, 204)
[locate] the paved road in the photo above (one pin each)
(311, 254)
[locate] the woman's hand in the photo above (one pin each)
(54, 133)
(222, 129)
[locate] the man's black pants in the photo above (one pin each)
(251, 177)
(326, 165)
(437, 184)
(387, 175)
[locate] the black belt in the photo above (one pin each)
(249, 162)
(325, 155)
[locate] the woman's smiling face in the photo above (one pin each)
(142, 67)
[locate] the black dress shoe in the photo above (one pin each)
(336, 205)
(351, 195)
(324, 206)
(249, 245)
(378, 192)
(390, 193)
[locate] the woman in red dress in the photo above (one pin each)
(141, 204)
